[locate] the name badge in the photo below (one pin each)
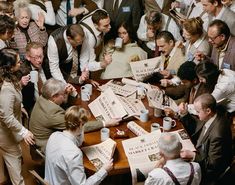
(126, 9)
(226, 66)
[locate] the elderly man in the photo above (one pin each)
(47, 115)
(223, 53)
(64, 47)
(34, 62)
(175, 170)
(211, 135)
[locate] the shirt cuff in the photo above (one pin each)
(23, 132)
(85, 11)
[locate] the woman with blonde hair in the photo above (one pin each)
(64, 159)
(196, 39)
(11, 129)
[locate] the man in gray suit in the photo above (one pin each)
(211, 135)
(48, 115)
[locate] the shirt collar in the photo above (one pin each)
(209, 122)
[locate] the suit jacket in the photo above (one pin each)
(229, 58)
(129, 11)
(88, 4)
(152, 5)
(48, 117)
(28, 90)
(10, 115)
(214, 152)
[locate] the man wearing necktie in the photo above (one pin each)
(211, 136)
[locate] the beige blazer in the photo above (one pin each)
(10, 115)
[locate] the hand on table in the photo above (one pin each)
(113, 122)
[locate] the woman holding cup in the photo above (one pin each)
(124, 50)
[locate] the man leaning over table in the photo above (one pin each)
(48, 116)
(174, 169)
(211, 136)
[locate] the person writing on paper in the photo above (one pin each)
(64, 159)
(171, 169)
(48, 116)
(211, 135)
(128, 51)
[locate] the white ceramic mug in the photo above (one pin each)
(157, 112)
(85, 95)
(104, 134)
(144, 115)
(89, 88)
(141, 91)
(34, 76)
(118, 42)
(168, 123)
(155, 126)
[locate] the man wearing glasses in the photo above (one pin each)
(34, 62)
(223, 52)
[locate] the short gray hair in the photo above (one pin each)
(170, 145)
(52, 87)
(20, 5)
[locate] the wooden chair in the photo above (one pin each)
(39, 179)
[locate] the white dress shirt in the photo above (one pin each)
(53, 56)
(49, 15)
(172, 27)
(88, 56)
(181, 171)
(225, 88)
(64, 162)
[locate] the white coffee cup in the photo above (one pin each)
(85, 95)
(155, 126)
(118, 42)
(144, 115)
(168, 123)
(141, 91)
(89, 88)
(157, 112)
(33, 76)
(104, 134)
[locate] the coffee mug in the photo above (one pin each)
(141, 91)
(89, 88)
(168, 123)
(157, 112)
(33, 76)
(118, 42)
(155, 126)
(104, 134)
(85, 95)
(144, 115)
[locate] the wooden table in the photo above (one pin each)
(121, 165)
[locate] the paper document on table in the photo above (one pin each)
(107, 106)
(158, 99)
(136, 129)
(100, 153)
(143, 68)
(119, 88)
(132, 106)
(142, 153)
(185, 140)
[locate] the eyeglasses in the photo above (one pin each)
(213, 39)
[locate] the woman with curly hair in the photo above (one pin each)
(11, 129)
